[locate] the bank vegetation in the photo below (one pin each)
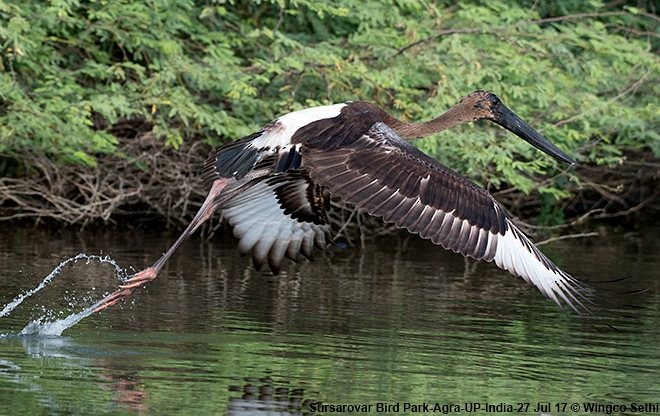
(109, 109)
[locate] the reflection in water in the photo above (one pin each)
(127, 391)
(265, 397)
(212, 336)
(124, 385)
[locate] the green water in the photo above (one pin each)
(379, 328)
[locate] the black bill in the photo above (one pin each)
(510, 121)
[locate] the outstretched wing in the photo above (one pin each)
(387, 177)
(277, 216)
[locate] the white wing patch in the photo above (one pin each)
(262, 227)
(517, 254)
(512, 251)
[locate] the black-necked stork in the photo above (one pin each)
(273, 187)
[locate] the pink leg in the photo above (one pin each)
(143, 276)
(207, 209)
(112, 298)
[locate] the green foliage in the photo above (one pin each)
(77, 75)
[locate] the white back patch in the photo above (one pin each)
(279, 135)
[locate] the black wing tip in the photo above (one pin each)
(209, 171)
(275, 265)
(610, 308)
(230, 159)
(582, 298)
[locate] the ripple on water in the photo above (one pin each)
(212, 336)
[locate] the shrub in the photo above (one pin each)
(78, 76)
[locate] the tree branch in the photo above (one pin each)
(566, 237)
(504, 28)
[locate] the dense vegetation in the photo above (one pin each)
(109, 107)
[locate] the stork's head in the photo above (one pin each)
(484, 105)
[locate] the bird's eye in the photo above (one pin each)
(493, 100)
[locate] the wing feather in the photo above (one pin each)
(277, 216)
(386, 176)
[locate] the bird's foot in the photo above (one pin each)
(127, 287)
(113, 298)
(140, 278)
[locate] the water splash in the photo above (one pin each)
(45, 327)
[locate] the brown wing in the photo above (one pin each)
(387, 177)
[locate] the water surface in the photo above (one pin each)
(399, 322)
